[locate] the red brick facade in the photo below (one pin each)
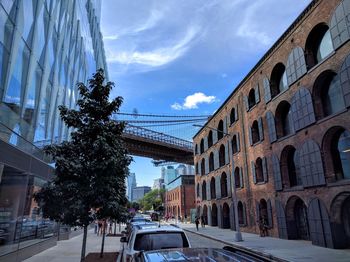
(291, 172)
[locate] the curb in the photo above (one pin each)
(241, 248)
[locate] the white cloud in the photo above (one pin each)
(111, 37)
(192, 101)
(156, 57)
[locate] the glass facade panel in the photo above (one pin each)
(28, 19)
(283, 84)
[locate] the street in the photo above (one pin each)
(199, 241)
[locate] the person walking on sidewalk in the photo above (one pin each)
(197, 222)
(202, 221)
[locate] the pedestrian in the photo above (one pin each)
(202, 221)
(99, 223)
(110, 227)
(262, 226)
(96, 226)
(197, 222)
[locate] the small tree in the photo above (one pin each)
(152, 199)
(90, 168)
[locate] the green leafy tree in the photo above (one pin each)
(91, 167)
(153, 199)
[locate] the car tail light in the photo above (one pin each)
(128, 258)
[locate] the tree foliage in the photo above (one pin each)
(153, 199)
(91, 167)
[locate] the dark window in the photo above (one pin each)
(234, 144)
(196, 149)
(241, 215)
(255, 132)
(318, 45)
(220, 129)
(328, 94)
(251, 98)
(211, 162)
(202, 146)
(233, 115)
(223, 185)
(263, 210)
(237, 178)
(210, 138)
(259, 170)
(284, 121)
(278, 82)
(163, 240)
(222, 156)
(204, 190)
(290, 175)
(197, 168)
(212, 188)
(203, 167)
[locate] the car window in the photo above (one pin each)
(160, 240)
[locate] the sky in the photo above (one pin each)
(185, 57)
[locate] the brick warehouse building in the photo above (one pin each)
(180, 197)
(287, 125)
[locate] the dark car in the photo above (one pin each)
(199, 254)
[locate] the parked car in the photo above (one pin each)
(199, 254)
(146, 237)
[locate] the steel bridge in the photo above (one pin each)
(159, 146)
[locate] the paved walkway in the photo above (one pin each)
(287, 250)
(69, 250)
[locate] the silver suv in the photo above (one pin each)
(146, 238)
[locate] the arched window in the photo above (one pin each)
(237, 178)
(328, 94)
(198, 190)
(263, 210)
(202, 146)
(278, 82)
(210, 139)
(318, 45)
(336, 147)
(255, 132)
(290, 176)
(223, 182)
(283, 118)
(220, 129)
(241, 213)
(222, 156)
(203, 167)
(234, 144)
(197, 168)
(251, 98)
(212, 188)
(233, 115)
(259, 170)
(204, 190)
(211, 162)
(196, 149)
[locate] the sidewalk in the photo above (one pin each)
(284, 250)
(70, 250)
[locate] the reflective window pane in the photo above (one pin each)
(344, 152)
(325, 47)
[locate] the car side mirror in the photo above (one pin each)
(123, 239)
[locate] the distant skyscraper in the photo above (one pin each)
(158, 183)
(163, 172)
(139, 192)
(181, 170)
(130, 184)
(170, 174)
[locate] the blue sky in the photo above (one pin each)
(184, 57)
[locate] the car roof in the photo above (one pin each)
(162, 228)
(196, 254)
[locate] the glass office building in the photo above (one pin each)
(46, 47)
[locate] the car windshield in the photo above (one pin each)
(160, 240)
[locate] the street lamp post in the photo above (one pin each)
(237, 234)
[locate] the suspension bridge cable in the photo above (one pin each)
(154, 115)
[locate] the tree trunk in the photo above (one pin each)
(83, 248)
(115, 227)
(103, 239)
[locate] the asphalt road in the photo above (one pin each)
(199, 241)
